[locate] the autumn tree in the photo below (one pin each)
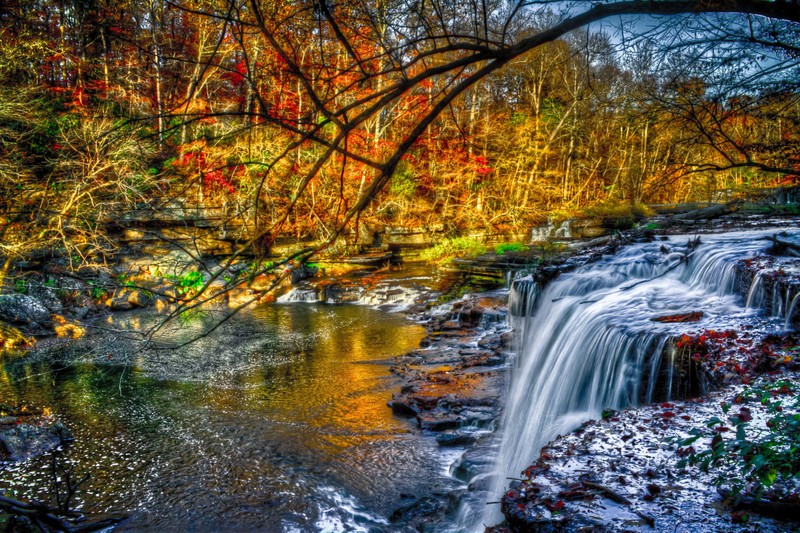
(295, 117)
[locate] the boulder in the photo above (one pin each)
(456, 438)
(23, 310)
(303, 271)
(20, 442)
(130, 298)
(47, 296)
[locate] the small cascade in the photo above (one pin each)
(784, 303)
(564, 231)
(756, 295)
(392, 297)
(589, 341)
(300, 294)
(542, 233)
(493, 319)
(777, 301)
(523, 297)
(550, 231)
(790, 309)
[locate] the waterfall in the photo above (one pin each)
(587, 342)
(790, 310)
(756, 294)
(783, 305)
(524, 297)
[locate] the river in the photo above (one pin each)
(278, 424)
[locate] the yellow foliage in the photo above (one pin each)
(11, 337)
(66, 328)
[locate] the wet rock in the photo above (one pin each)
(337, 293)
(23, 310)
(481, 418)
(475, 461)
(482, 482)
(79, 312)
(492, 317)
(490, 342)
(469, 313)
(21, 442)
(507, 340)
(402, 406)
(536, 518)
(301, 272)
(455, 438)
(424, 510)
(47, 296)
(439, 421)
(130, 298)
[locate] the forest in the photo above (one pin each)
(309, 265)
(299, 118)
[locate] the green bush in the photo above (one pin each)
(756, 457)
(502, 248)
(450, 248)
(190, 282)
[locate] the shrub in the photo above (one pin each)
(502, 248)
(450, 248)
(755, 457)
(189, 282)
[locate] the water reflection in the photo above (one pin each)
(277, 423)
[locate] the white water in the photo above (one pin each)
(586, 341)
(544, 233)
(784, 305)
(393, 294)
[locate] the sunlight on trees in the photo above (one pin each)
(291, 118)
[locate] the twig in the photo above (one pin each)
(610, 494)
(684, 259)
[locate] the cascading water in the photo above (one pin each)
(543, 233)
(588, 341)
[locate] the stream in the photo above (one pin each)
(290, 434)
(279, 421)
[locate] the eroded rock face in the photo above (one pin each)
(26, 311)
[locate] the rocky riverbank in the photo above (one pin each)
(452, 386)
(625, 472)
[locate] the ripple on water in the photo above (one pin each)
(276, 424)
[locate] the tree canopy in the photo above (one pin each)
(304, 117)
